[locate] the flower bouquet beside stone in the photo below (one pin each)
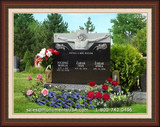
(46, 57)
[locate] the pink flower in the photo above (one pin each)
(36, 79)
(39, 76)
(44, 92)
(29, 78)
(29, 92)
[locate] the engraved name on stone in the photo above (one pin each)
(62, 66)
(80, 65)
(99, 66)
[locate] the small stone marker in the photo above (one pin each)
(16, 63)
(83, 57)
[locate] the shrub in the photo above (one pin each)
(26, 58)
(28, 64)
(129, 62)
(22, 65)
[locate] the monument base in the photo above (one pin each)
(67, 86)
(77, 86)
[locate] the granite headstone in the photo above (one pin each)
(83, 57)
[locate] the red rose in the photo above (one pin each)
(90, 95)
(105, 87)
(106, 97)
(98, 95)
(51, 50)
(92, 83)
(56, 52)
(115, 83)
(110, 79)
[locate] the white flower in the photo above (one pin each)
(42, 53)
(48, 53)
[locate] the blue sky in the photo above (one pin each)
(101, 21)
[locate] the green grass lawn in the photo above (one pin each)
(22, 105)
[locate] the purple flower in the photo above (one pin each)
(40, 104)
(85, 103)
(56, 106)
(43, 102)
(90, 102)
(59, 104)
(69, 104)
(82, 105)
(79, 106)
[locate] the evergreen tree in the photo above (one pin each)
(53, 24)
(88, 26)
(23, 37)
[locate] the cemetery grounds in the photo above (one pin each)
(22, 105)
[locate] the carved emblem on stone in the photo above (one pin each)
(60, 46)
(101, 46)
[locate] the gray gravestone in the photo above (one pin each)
(83, 57)
(139, 97)
(16, 63)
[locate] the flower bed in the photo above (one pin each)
(97, 96)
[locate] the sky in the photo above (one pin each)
(101, 21)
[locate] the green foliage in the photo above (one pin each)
(27, 58)
(120, 100)
(28, 64)
(22, 65)
(125, 27)
(129, 62)
(23, 36)
(88, 26)
(140, 41)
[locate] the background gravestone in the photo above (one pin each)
(16, 63)
(142, 79)
(74, 66)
